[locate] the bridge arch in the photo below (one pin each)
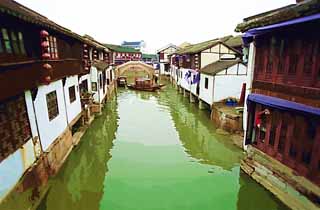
(135, 66)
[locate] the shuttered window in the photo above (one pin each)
(72, 94)
(14, 126)
(52, 103)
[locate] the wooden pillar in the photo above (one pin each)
(288, 138)
(315, 156)
(278, 131)
(192, 98)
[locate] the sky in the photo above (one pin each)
(158, 23)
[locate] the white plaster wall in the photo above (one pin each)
(88, 78)
(11, 169)
(206, 95)
(207, 58)
(31, 113)
(94, 78)
(50, 130)
(74, 108)
(228, 86)
(183, 82)
(250, 71)
(193, 87)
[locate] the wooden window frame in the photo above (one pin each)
(72, 94)
(53, 47)
(206, 83)
(52, 105)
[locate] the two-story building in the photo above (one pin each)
(282, 123)
(41, 70)
(192, 59)
(164, 59)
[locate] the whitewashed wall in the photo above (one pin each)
(50, 130)
(229, 85)
(183, 82)
(88, 78)
(206, 95)
(74, 108)
(94, 78)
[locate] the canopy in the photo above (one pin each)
(284, 105)
(249, 35)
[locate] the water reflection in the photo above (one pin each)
(79, 185)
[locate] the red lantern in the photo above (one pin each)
(85, 50)
(47, 80)
(45, 44)
(86, 68)
(44, 34)
(46, 56)
(85, 45)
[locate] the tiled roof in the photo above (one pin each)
(216, 67)
(196, 48)
(235, 41)
(150, 56)
(101, 65)
(289, 12)
(118, 48)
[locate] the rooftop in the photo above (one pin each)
(293, 11)
(195, 48)
(216, 67)
(119, 48)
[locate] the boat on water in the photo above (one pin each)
(145, 85)
(122, 81)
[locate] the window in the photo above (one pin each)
(21, 43)
(15, 44)
(52, 103)
(6, 40)
(53, 48)
(282, 55)
(101, 81)
(72, 94)
(206, 83)
(14, 125)
(94, 86)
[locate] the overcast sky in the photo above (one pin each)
(156, 22)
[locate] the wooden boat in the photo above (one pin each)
(145, 85)
(122, 81)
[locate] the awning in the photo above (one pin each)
(249, 35)
(284, 105)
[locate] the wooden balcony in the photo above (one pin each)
(20, 76)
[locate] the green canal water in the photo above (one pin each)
(155, 151)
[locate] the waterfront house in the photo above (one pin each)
(122, 54)
(282, 113)
(221, 80)
(163, 55)
(194, 57)
(40, 64)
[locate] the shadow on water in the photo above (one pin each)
(79, 184)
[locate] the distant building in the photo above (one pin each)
(138, 45)
(163, 54)
(150, 58)
(122, 54)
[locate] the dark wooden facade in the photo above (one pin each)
(287, 66)
(22, 58)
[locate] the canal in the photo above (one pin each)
(155, 151)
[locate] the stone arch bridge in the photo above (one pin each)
(135, 68)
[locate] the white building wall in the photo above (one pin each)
(50, 130)
(183, 82)
(206, 95)
(250, 71)
(94, 79)
(88, 78)
(228, 86)
(73, 108)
